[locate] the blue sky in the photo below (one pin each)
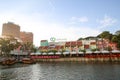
(68, 19)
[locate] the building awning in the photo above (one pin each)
(115, 51)
(89, 52)
(73, 53)
(44, 53)
(80, 52)
(38, 53)
(105, 51)
(58, 53)
(50, 53)
(97, 52)
(66, 52)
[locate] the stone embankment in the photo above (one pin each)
(80, 59)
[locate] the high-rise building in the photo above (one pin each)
(26, 37)
(11, 29)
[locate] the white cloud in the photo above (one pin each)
(107, 22)
(75, 20)
(83, 19)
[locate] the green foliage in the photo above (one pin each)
(97, 49)
(80, 39)
(114, 39)
(106, 35)
(118, 45)
(63, 50)
(33, 49)
(83, 51)
(118, 36)
(54, 51)
(6, 45)
(87, 38)
(109, 48)
(10, 44)
(93, 50)
(117, 40)
(117, 32)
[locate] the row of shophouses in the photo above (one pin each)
(77, 46)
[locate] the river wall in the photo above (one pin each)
(79, 59)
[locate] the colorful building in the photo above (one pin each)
(44, 43)
(78, 46)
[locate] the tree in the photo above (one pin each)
(34, 49)
(80, 39)
(109, 49)
(114, 39)
(8, 44)
(118, 41)
(84, 52)
(117, 32)
(93, 50)
(118, 45)
(6, 47)
(17, 45)
(105, 35)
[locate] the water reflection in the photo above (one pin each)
(61, 71)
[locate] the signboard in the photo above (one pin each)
(53, 39)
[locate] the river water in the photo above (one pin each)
(61, 71)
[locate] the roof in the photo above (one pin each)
(43, 40)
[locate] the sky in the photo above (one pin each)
(62, 19)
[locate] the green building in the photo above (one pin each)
(44, 43)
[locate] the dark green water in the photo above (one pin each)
(61, 71)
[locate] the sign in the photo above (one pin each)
(53, 39)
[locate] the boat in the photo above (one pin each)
(28, 61)
(8, 61)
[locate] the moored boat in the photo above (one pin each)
(8, 61)
(28, 61)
